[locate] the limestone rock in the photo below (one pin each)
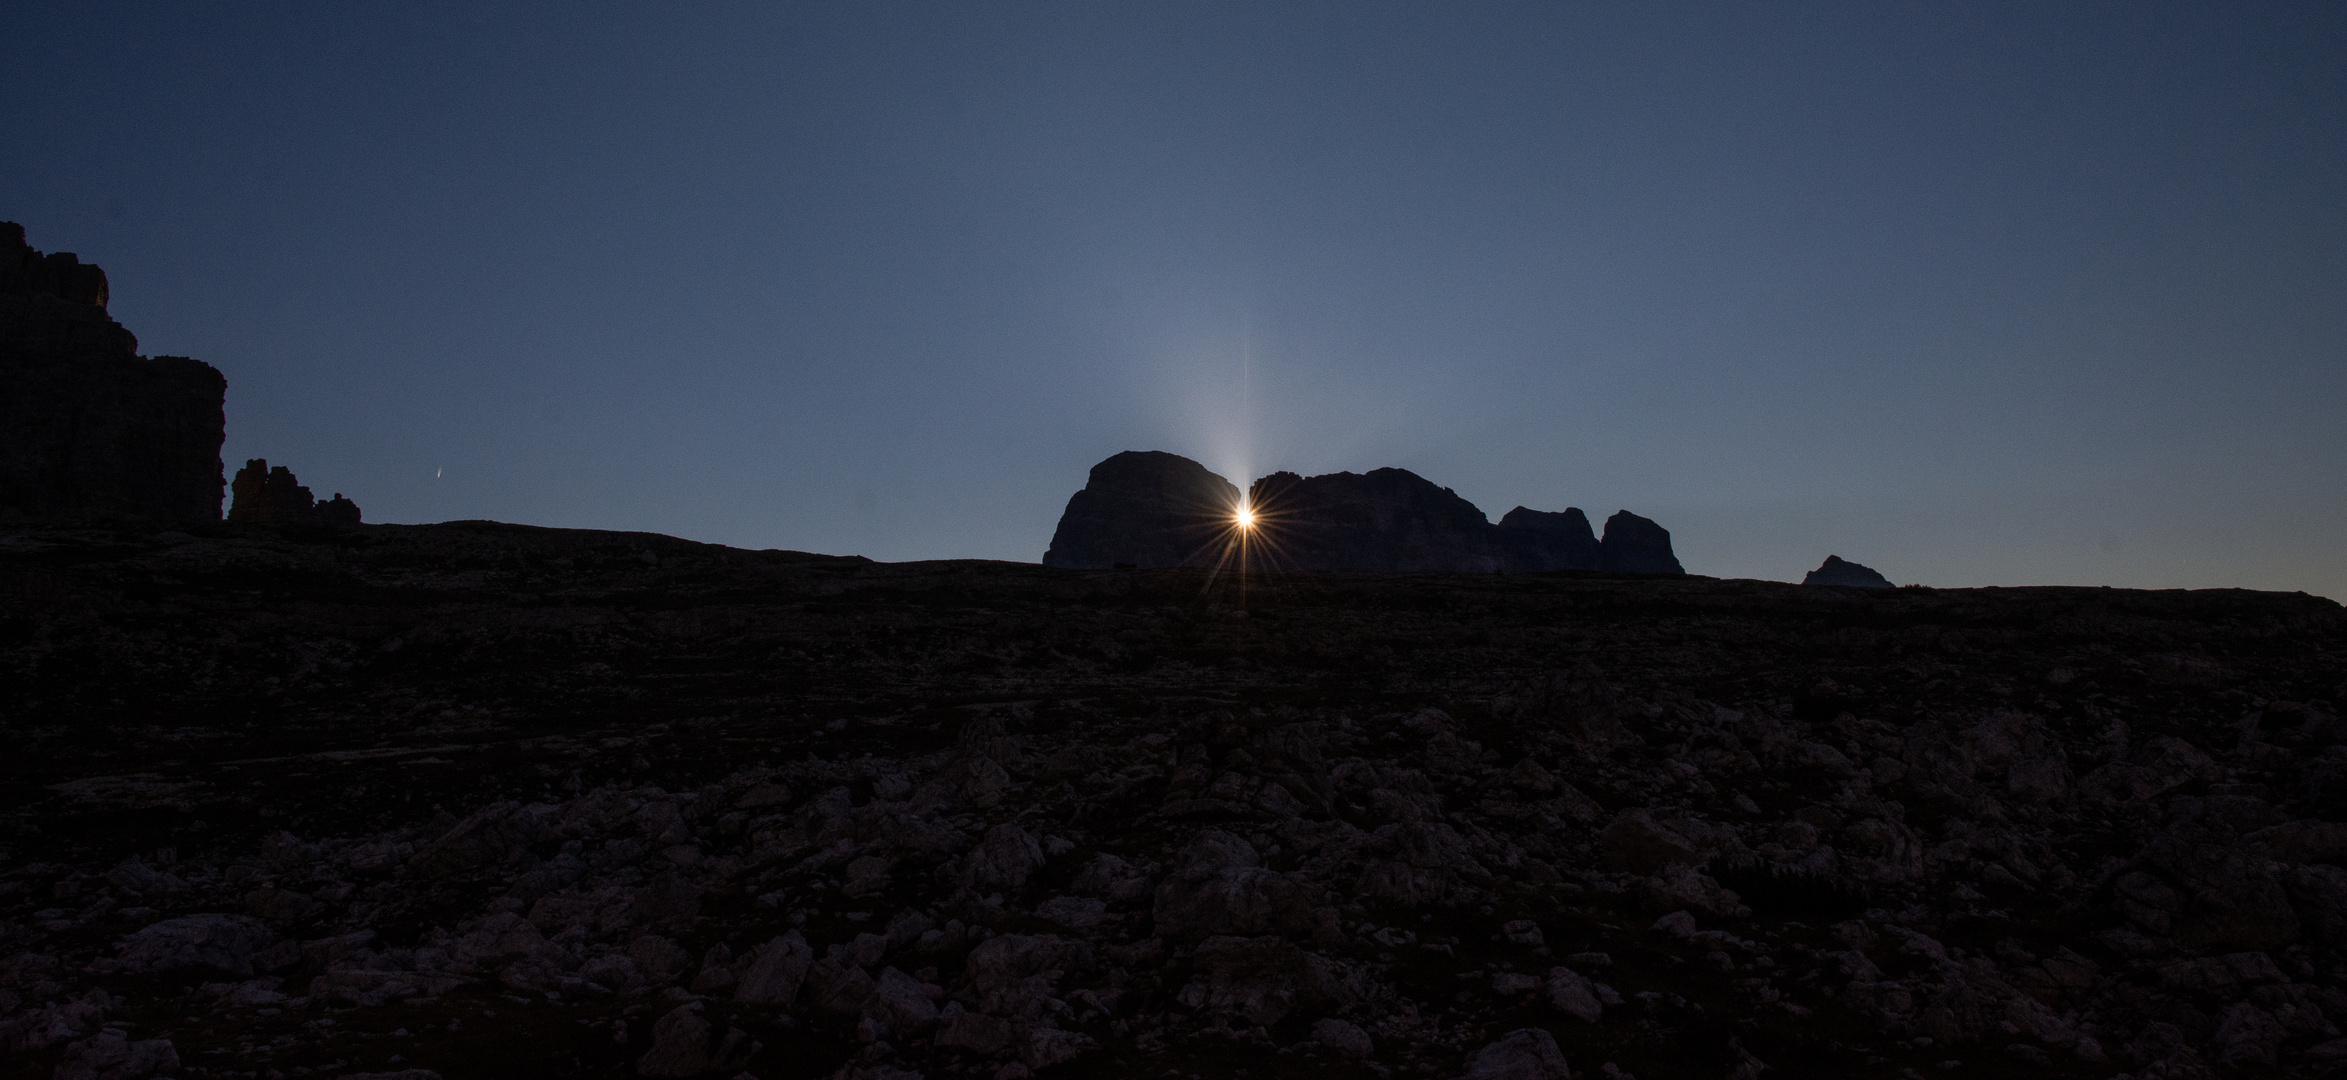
(1343, 1037)
(266, 495)
(904, 1003)
(1262, 980)
(975, 1032)
(1014, 973)
(680, 1044)
(1150, 509)
(1523, 1054)
(1223, 888)
(1144, 509)
(112, 1056)
(1573, 995)
(1635, 545)
(92, 429)
(62, 274)
(1838, 571)
(1004, 859)
(1388, 519)
(1638, 843)
(1809, 832)
(1536, 540)
(220, 942)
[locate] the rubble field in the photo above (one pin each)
(482, 800)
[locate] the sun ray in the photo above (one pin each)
(1245, 542)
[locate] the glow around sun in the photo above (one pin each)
(1244, 517)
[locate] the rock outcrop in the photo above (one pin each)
(1145, 509)
(1839, 571)
(89, 429)
(1635, 545)
(273, 496)
(1389, 519)
(1148, 509)
(1546, 541)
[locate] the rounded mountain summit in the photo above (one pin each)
(1148, 508)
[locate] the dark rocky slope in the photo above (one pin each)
(89, 428)
(1154, 509)
(496, 801)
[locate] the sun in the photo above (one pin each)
(1243, 517)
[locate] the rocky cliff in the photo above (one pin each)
(1635, 545)
(1144, 509)
(1536, 539)
(1389, 519)
(1148, 509)
(89, 428)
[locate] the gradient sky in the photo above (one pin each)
(1974, 294)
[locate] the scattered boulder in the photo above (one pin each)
(223, 943)
(979, 1033)
(1222, 888)
(680, 1044)
(1573, 995)
(1004, 859)
(1263, 980)
(1636, 842)
(774, 976)
(111, 1055)
(906, 1005)
(1523, 1054)
(1344, 1037)
(1014, 974)
(1442, 871)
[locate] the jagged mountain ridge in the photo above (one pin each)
(1155, 509)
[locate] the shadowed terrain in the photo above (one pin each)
(491, 800)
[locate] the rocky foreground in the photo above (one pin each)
(478, 800)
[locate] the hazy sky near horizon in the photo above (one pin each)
(1971, 293)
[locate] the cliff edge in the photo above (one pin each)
(89, 429)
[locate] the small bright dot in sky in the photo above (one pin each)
(1245, 518)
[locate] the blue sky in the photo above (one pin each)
(1974, 294)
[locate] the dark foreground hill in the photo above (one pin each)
(494, 801)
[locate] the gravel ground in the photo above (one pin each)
(485, 800)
